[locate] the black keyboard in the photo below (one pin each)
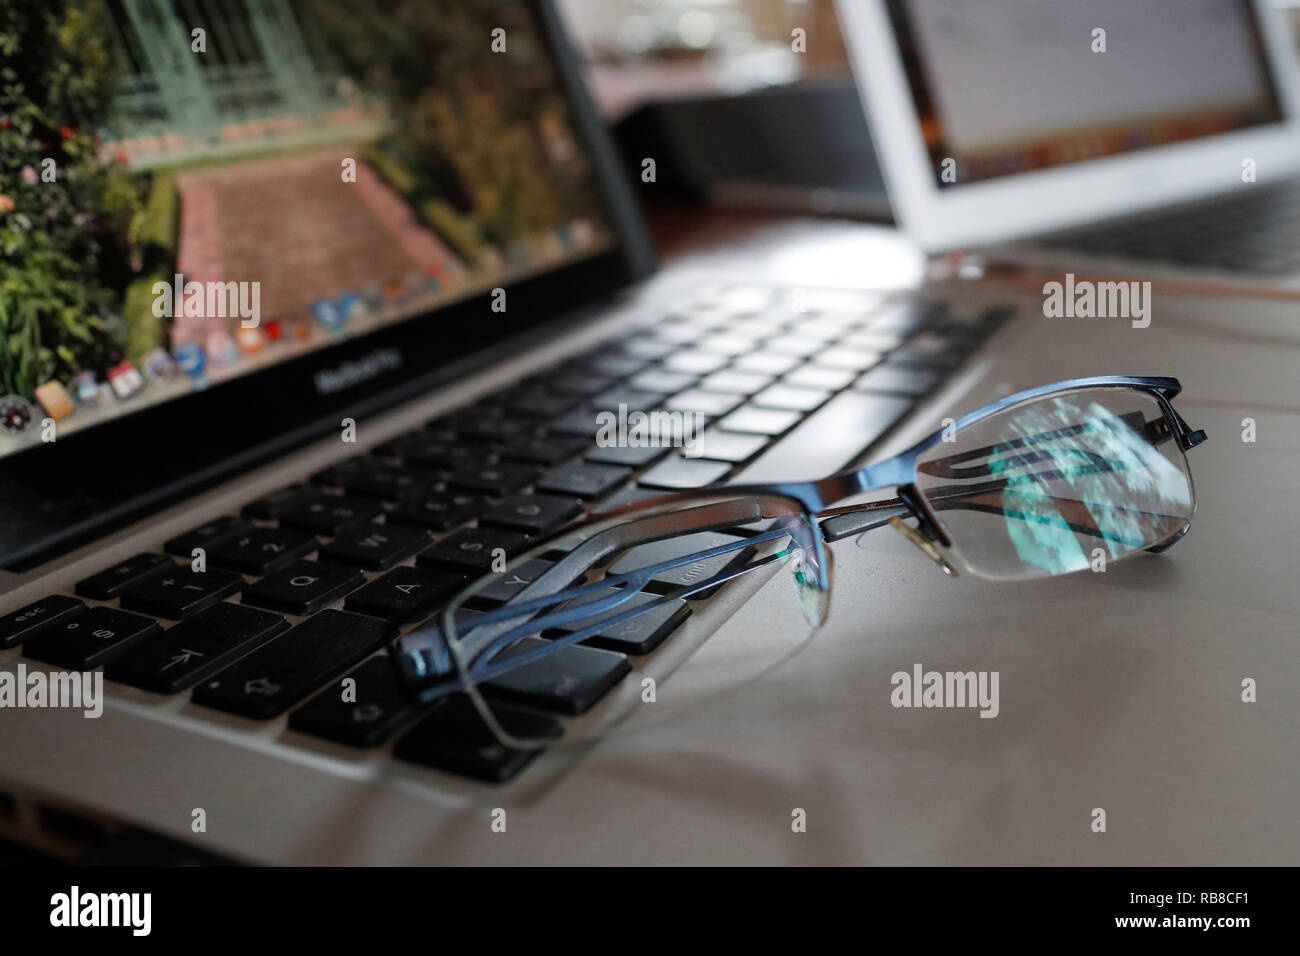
(1253, 230)
(376, 543)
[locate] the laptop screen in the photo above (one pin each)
(1009, 86)
(192, 192)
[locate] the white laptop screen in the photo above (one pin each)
(1008, 86)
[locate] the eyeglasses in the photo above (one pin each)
(1048, 481)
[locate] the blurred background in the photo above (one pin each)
(642, 49)
(737, 119)
(638, 49)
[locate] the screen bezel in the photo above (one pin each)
(1045, 200)
(68, 492)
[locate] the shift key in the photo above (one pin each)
(196, 649)
(275, 677)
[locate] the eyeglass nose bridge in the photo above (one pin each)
(930, 532)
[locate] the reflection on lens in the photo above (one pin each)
(1052, 485)
(626, 622)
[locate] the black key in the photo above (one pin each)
(422, 448)
(734, 447)
(498, 479)
(584, 385)
(793, 344)
(546, 449)
(379, 709)
(205, 535)
(270, 507)
(767, 363)
(438, 511)
(405, 594)
(760, 421)
(471, 550)
(584, 480)
(695, 363)
(333, 474)
(677, 472)
(442, 429)
(906, 316)
(736, 383)
(261, 550)
(304, 587)
(29, 621)
(582, 423)
(848, 359)
(663, 381)
(818, 446)
(637, 635)
(454, 738)
(567, 680)
(276, 676)
(726, 343)
(111, 582)
(898, 380)
(627, 456)
(647, 347)
(375, 547)
(690, 572)
(502, 587)
(873, 341)
(821, 377)
(196, 649)
(636, 400)
(390, 484)
(704, 402)
(91, 639)
(330, 513)
(493, 430)
(540, 403)
(532, 514)
(182, 592)
(615, 365)
(628, 496)
(929, 350)
(369, 477)
(791, 398)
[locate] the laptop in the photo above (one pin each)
(350, 320)
(1156, 140)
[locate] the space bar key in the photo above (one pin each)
(829, 439)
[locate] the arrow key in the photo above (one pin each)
(275, 677)
(196, 649)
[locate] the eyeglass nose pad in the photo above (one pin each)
(924, 543)
(814, 600)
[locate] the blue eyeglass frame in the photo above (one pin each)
(900, 471)
(419, 656)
